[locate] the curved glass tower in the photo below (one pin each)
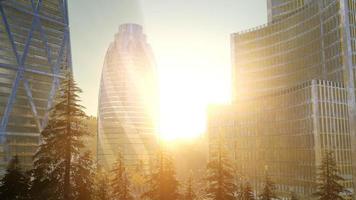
(127, 100)
(34, 53)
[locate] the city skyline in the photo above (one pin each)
(215, 100)
(178, 33)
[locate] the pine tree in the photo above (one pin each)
(138, 176)
(221, 181)
(240, 192)
(57, 162)
(268, 192)
(15, 183)
(329, 187)
(247, 193)
(102, 185)
(163, 184)
(294, 196)
(84, 177)
(120, 184)
(189, 193)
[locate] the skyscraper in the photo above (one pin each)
(127, 100)
(34, 53)
(280, 9)
(293, 95)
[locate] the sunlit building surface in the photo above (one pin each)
(127, 100)
(34, 53)
(285, 134)
(279, 9)
(293, 94)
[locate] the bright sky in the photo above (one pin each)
(191, 43)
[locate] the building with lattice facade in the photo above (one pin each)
(34, 55)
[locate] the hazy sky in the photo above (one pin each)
(190, 39)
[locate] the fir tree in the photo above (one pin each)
(163, 184)
(138, 176)
(240, 192)
(58, 162)
(84, 177)
(329, 187)
(247, 192)
(221, 181)
(15, 183)
(120, 184)
(294, 196)
(268, 192)
(189, 193)
(102, 185)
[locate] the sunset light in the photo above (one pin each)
(178, 100)
(183, 102)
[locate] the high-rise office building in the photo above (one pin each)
(34, 53)
(127, 100)
(293, 95)
(279, 9)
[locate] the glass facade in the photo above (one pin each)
(306, 45)
(286, 133)
(280, 9)
(128, 100)
(34, 53)
(309, 47)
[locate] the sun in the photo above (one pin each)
(184, 98)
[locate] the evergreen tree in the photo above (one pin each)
(15, 183)
(163, 184)
(120, 184)
(329, 187)
(268, 192)
(102, 186)
(240, 192)
(221, 181)
(138, 176)
(84, 177)
(189, 193)
(247, 193)
(58, 163)
(294, 196)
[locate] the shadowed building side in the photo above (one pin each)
(128, 100)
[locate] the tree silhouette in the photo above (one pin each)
(247, 192)
(102, 185)
(58, 162)
(15, 183)
(268, 192)
(221, 182)
(294, 196)
(189, 192)
(84, 178)
(329, 187)
(162, 182)
(120, 184)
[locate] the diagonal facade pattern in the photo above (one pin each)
(34, 55)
